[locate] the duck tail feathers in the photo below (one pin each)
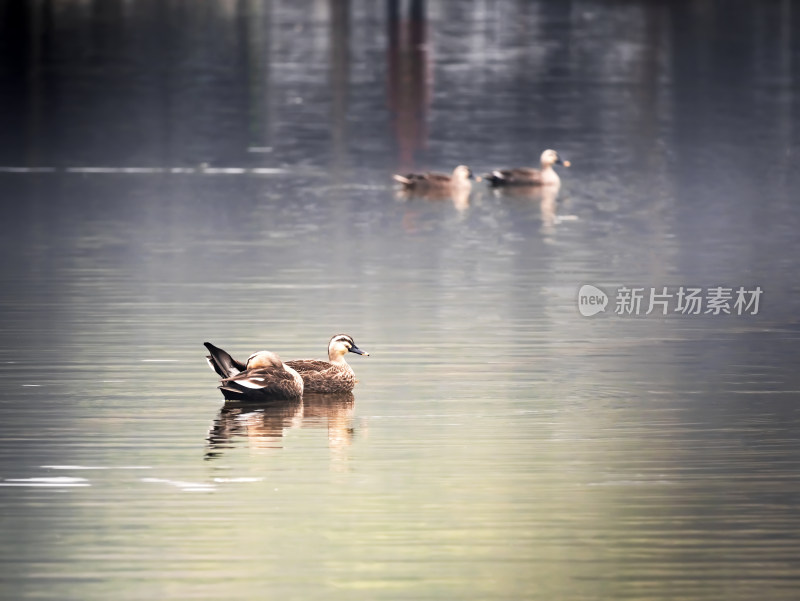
(401, 179)
(221, 362)
(496, 178)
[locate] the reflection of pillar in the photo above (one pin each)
(258, 63)
(652, 63)
(24, 31)
(340, 75)
(409, 79)
(785, 117)
(35, 86)
(165, 131)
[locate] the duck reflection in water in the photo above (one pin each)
(262, 425)
(546, 196)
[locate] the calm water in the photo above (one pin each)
(174, 172)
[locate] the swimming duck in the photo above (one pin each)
(431, 182)
(528, 176)
(333, 375)
(262, 377)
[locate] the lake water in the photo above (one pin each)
(173, 173)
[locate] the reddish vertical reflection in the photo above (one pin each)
(409, 80)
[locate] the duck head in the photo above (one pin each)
(462, 174)
(340, 345)
(550, 157)
(263, 359)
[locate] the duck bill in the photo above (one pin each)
(358, 351)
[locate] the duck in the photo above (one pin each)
(334, 375)
(529, 176)
(433, 182)
(262, 377)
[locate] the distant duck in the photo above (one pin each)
(262, 377)
(436, 183)
(333, 375)
(528, 176)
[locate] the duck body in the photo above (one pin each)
(529, 176)
(323, 376)
(263, 377)
(334, 375)
(433, 182)
(522, 176)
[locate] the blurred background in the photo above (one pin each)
(173, 172)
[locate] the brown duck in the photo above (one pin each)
(262, 377)
(433, 182)
(333, 375)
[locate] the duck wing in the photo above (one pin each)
(431, 178)
(434, 178)
(324, 377)
(306, 367)
(273, 382)
(519, 176)
(222, 363)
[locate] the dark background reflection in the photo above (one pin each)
(170, 83)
